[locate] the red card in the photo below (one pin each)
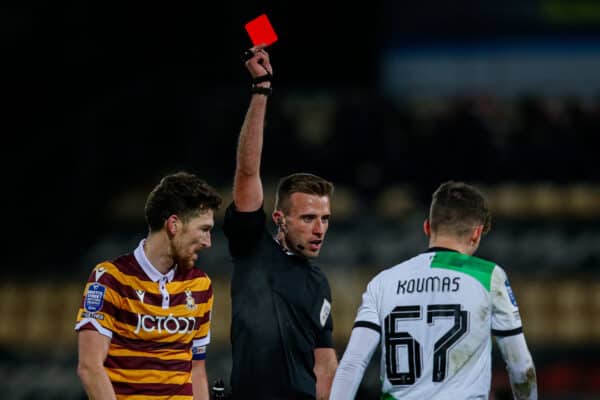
(261, 31)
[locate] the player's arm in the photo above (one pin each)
(247, 185)
(93, 348)
(519, 363)
(199, 346)
(325, 366)
(349, 374)
(508, 330)
(365, 336)
(199, 380)
(521, 370)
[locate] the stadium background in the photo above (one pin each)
(387, 99)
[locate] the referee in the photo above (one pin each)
(281, 329)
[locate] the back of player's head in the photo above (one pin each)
(182, 194)
(300, 183)
(457, 208)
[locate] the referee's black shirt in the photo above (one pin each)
(280, 313)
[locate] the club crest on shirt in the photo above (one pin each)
(190, 304)
(325, 310)
(94, 299)
(140, 293)
(511, 295)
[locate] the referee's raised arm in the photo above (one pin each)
(281, 323)
(247, 186)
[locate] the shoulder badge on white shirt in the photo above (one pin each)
(511, 295)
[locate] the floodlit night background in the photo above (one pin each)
(387, 99)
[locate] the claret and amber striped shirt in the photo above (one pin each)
(157, 323)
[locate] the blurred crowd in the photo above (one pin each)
(533, 157)
(367, 143)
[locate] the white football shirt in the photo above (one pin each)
(436, 313)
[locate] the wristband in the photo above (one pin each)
(247, 55)
(263, 78)
(265, 91)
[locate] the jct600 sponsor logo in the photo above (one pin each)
(170, 324)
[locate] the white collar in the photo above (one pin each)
(148, 268)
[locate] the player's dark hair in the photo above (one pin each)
(182, 194)
(456, 208)
(300, 183)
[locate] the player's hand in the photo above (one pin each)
(259, 65)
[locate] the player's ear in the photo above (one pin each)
(427, 227)
(172, 224)
(476, 234)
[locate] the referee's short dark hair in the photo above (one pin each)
(456, 208)
(300, 183)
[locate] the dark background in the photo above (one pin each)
(102, 99)
(101, 96)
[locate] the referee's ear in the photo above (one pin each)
(278, 217)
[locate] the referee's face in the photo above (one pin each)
(306, 223)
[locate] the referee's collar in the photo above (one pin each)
(286, 250)
(148, 268)
(434, 249)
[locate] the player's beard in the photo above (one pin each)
(186, 262)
